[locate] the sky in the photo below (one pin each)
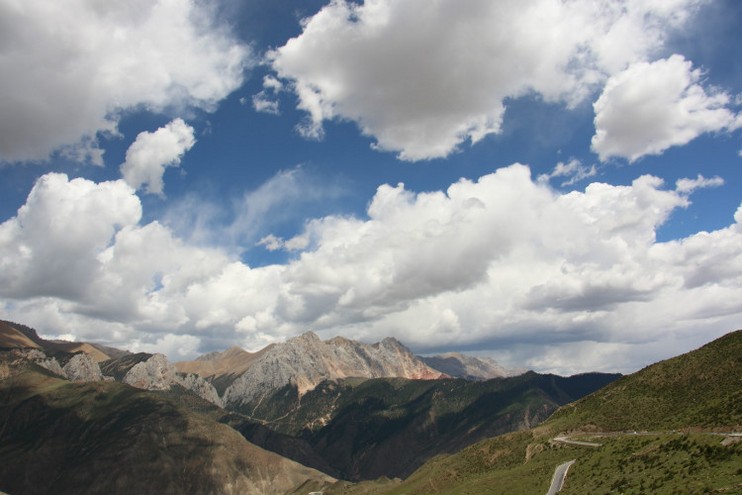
(556, 184)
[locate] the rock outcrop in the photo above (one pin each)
(75, 367)
(17, 358)
(83, 368)
(155, 373)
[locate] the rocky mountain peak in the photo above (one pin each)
(306, 337)
(306, 360)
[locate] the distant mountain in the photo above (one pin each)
(65, 438)
(306, 361)
(459, 365)
(222, 368)
(673, 427)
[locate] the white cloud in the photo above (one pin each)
(650, 107)
(152, 152)
(70, 68)
(265, 101)
(262, 102)
(574, 171)
(271, 242)
(50, 248)
(504, 262)
(689, 185)
(423, 78)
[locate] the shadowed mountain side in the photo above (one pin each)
(60, 437)
(364, 429)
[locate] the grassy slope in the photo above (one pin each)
(62, 437)
(698, 392)
(699, 389)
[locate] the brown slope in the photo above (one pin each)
(233, 361)
(25, 336)
(12, 338)
(75, 347)
(59, 437)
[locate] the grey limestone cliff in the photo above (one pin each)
(82, 368)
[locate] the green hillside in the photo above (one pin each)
(667, 429)
(702, 389)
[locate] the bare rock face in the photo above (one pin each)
(305, 361)
(14, 361)
(157, 373)
(41, 359)
(83, 368)
(201, 387)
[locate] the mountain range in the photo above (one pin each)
(339, 416)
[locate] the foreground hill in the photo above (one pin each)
(62, 437)
(674, 427)
(700, 389)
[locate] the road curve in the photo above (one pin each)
(560, 473)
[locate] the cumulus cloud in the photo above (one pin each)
(70, 69)
(423, 78)
(501, 262)
(50, 247)
(650, 107)
(152, 152)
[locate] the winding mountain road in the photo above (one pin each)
(560, 473)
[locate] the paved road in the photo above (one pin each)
(558, 479)
(576, 442)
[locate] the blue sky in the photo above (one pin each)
(554, 184)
